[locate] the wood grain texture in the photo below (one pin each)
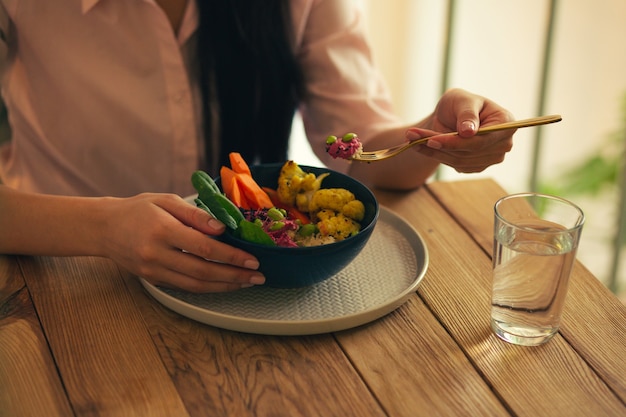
(458, 288)
(29, 383)
(415, 367)
(225, 373)
(597, 334)
(79, 337)
(591, 314)
(103, 351)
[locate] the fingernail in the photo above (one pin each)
(251, 264)
(257, 280)
(468, 126)
(215, 224)
(412, 135)
(433, 144)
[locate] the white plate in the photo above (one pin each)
(381, 278)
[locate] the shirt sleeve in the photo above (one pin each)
(345, 91)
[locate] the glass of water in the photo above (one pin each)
(535, 241)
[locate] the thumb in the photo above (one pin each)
(467, 123)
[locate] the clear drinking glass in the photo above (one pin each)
(535, 241)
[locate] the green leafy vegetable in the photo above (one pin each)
(252, 232)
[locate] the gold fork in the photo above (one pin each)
(389, 152)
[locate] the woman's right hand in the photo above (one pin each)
(163, 239)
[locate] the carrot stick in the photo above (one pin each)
(238, 164)
(227, 175)
(272, 194)
(250, 190)
(253, 192)
(239, 196)
(231, 188)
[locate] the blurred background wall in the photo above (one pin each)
(497, 50)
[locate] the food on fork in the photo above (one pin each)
(348, 146)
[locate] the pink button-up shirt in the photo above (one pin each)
(103, 100)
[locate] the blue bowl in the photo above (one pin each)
(304, 266)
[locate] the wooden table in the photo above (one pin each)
(79, 337)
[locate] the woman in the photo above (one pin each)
(112, 113)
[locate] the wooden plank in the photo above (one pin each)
(104, 354)
(594, 320)
(471, 203)
(415, 367)
(551, 379)
(224, 373)
(29, 382)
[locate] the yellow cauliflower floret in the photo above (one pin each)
(290, 172)
(336, 225)
(339, 200)
(354, 209)
(296, 187)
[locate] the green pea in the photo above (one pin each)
(275, 214)
(277, 226)
(348, 137)
(307, 230)
(331, 139)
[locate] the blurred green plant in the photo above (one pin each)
(592, 176)
(598, 173)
